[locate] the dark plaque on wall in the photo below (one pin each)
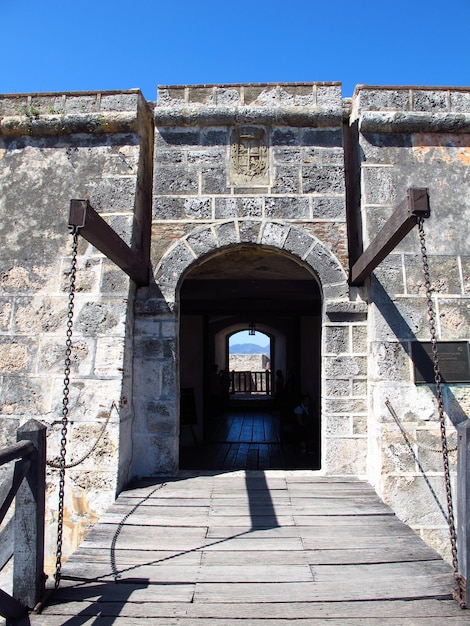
(454, 361)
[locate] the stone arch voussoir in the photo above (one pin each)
(287, 238)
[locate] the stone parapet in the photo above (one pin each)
(322, 94)
(71, 113)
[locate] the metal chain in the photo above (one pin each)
(65, 406)
(57, 464)
(442, 426)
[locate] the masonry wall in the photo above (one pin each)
(54, 148)
(412, 137)
(294, 202)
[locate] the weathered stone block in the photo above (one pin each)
(328, 95)
(113, 280)
(386, 149)
(298, 241)
(337, 339)
(337, 387)
(226, 207)
(225, 96)
(339, 426)
(249, 231)
(176, 137)
(457, 402)
(93, 318)
(81, 104)
(18, 354)
(51, 357)
(347, 406)
(119, 102)
(42, 314)
(390, 273)
(425, 100)
(112, 194)
(388, 361)
(226, 234)
(345, 455)
(287, 207)
(359, 425)
(286, 154)
(381, 186)
(460, 101)
(200, 94)
(214, 180)
(326, 180)
(454, 319)
(175, 180)
(425, 512)
(286, 179)
(23, 396)
(400, 318)
(215, 137)
(359, 339)
(109, 357)
(88, 398)
(167, 208)
(249, 207)
(285, 137)
(429, 449)
(384, 99)
(341, 366)
(327, 267)
(207, 157)
(198, 208)
(6, 312)
(328, 208)
(274, 234)
(202, 241)
(359, 388)
(397, 458)
(444, 274)
(171, 156)
(323, 137)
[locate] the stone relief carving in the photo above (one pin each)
(249, 156)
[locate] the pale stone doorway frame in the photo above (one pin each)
(292, 241)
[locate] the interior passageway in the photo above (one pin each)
(248, 438)
(248, 286)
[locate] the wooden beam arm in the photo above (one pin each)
(403, 219)
(96, 231)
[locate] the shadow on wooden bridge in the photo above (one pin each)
(265, 547)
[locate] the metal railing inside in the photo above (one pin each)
(251, 383)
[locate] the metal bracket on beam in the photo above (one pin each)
(96, 231)
(403, 219)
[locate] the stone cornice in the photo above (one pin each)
(413, 122)
(296, 116)
(68, 124)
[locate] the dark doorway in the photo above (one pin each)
(247, 285)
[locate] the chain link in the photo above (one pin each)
(65, 406)
(440, 403)
(57, 464)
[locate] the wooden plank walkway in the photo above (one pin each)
(261, 548)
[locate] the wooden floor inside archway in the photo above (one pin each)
(247, 437)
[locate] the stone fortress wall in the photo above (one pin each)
(169, 178)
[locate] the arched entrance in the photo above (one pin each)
(160, 414)
(245, 285)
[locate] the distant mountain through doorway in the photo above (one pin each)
(249, 348)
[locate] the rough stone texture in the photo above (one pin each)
(398, 154)
(40, 172)
(176, 170)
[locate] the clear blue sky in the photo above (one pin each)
(99, 45)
